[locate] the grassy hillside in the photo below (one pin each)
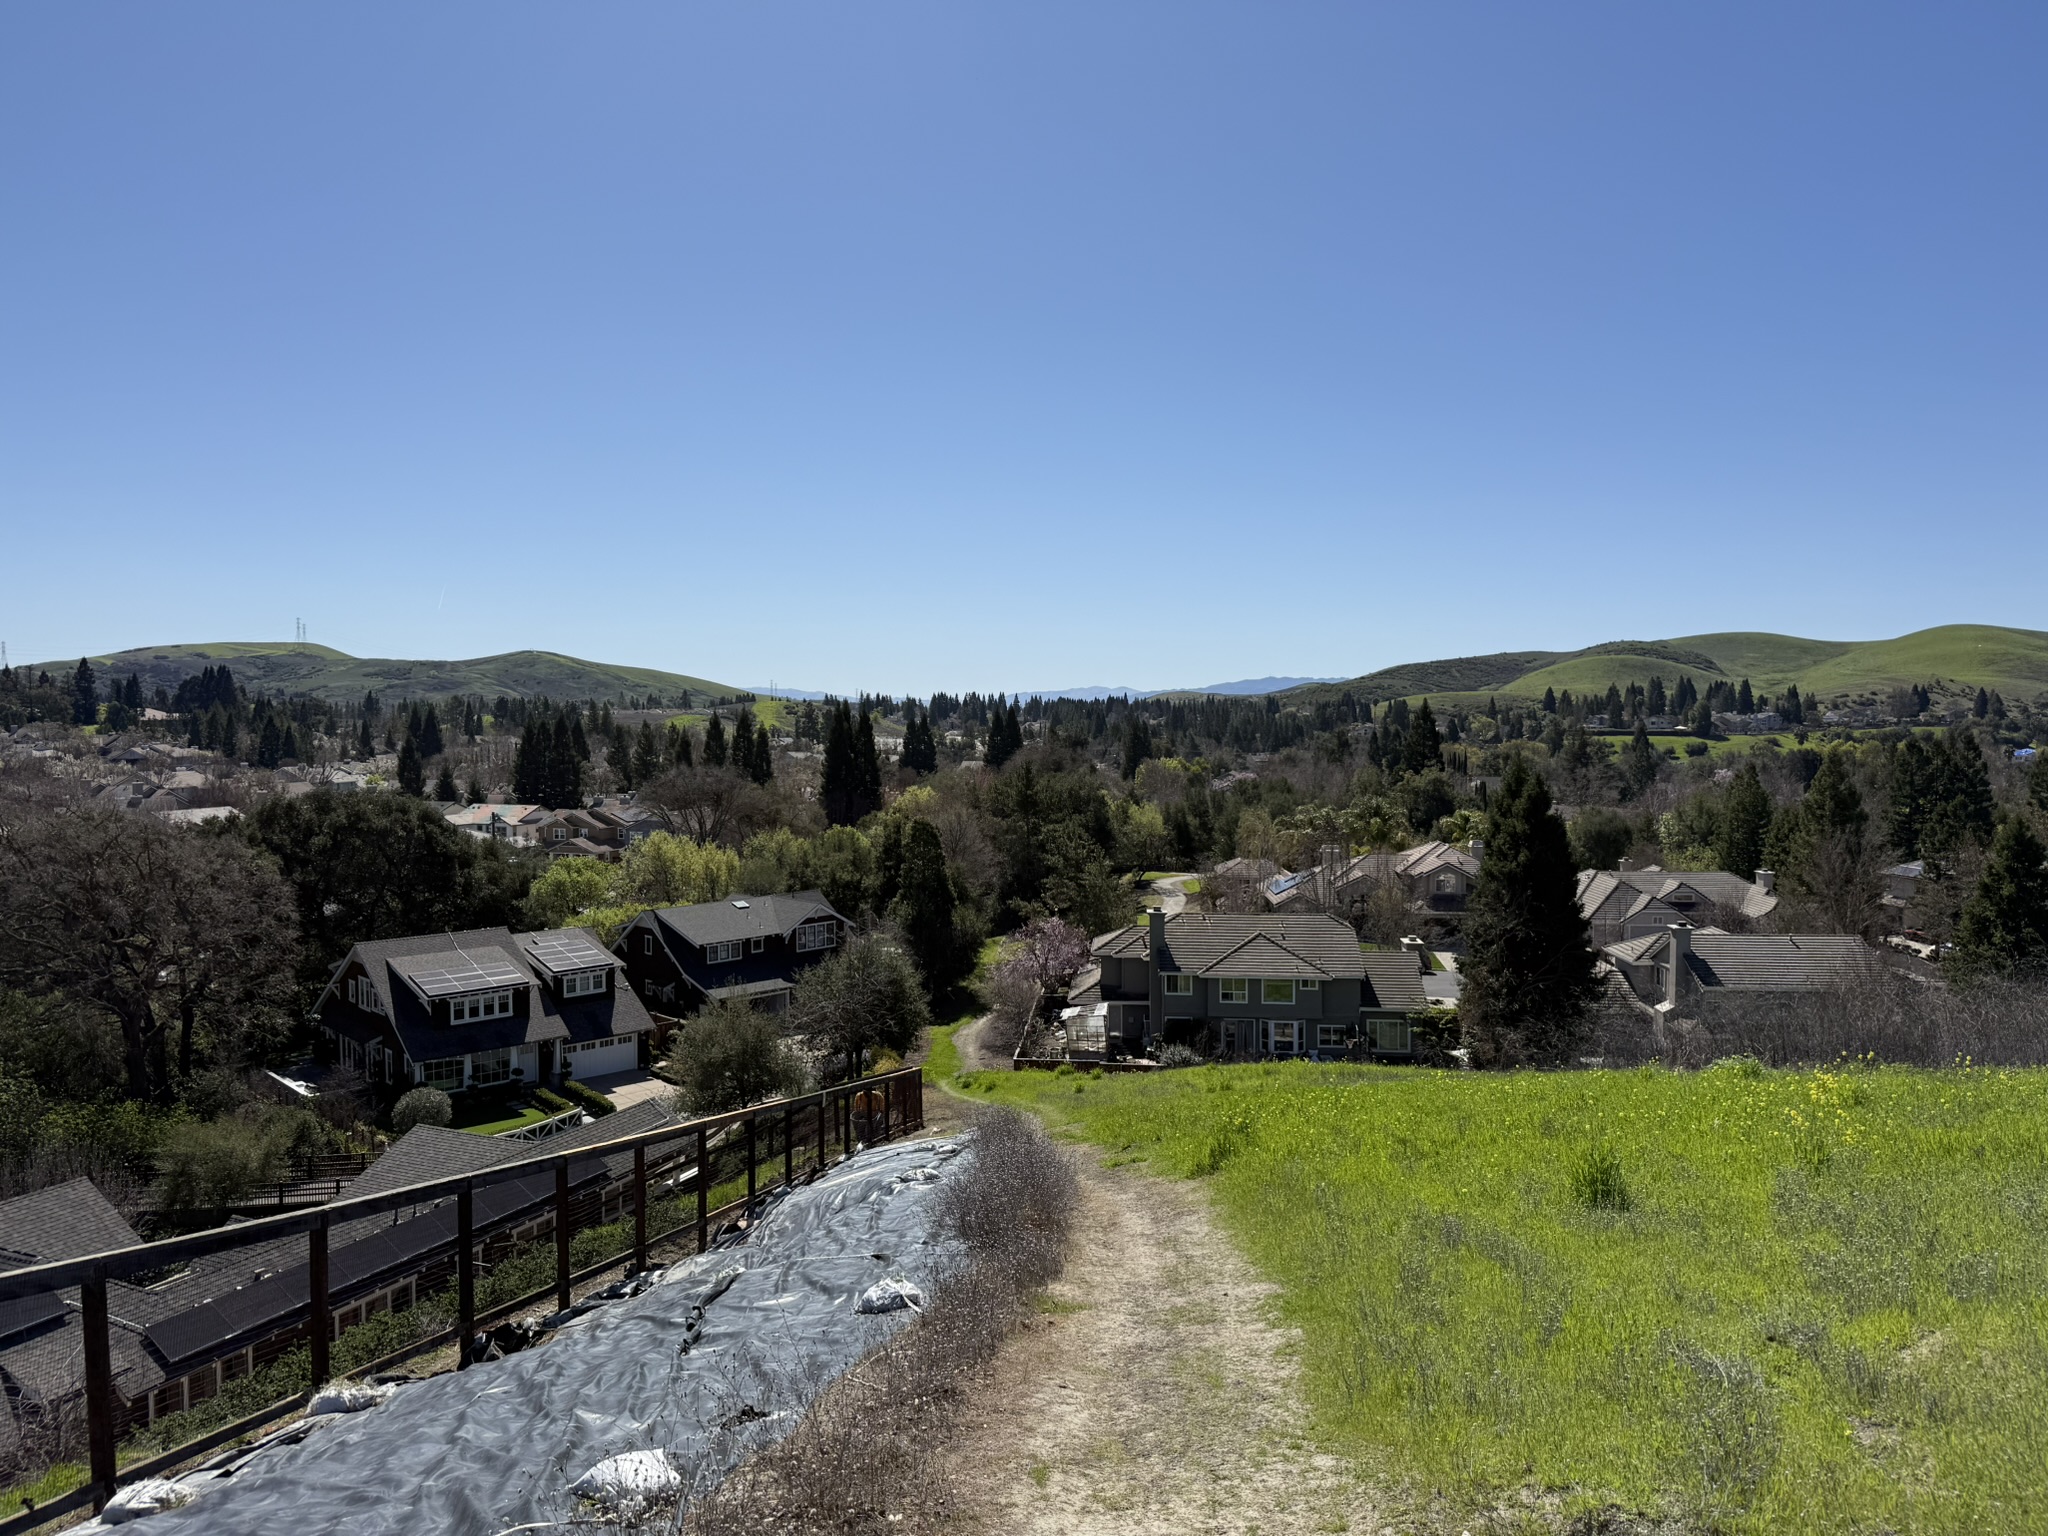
(1735, 1300)
(324, 672)
(2013, 661)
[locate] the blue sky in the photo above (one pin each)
(926, 345)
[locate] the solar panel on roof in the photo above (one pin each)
(27, 1312)
(574, 954)
(474, 977)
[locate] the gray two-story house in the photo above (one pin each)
(748, 949)
(1248, 985)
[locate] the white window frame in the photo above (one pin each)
(450, 1076)
(1330, 1037)
(1309, 984)
(722, 954)
(811, 936)
(646, 943)
(1179, 984)
(475, 1007)
(1268, 997)
(1395, 1037)
(584, 983)
(1233, 989)
(1292, 1029)
(489, 1068)
(758, 945)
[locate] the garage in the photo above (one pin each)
(585, 1059)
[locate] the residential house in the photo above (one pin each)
(1247, 984)
(1433, 877)
(1626, 904)
(750, 948)
(484, 1008)
(1672, 968)
(516, 824)
(178, 1341)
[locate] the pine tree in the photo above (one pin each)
(288, 748)
(1912, 795)
(1656, 700)
(1982, 707)
(646, 752)
(741, 752)
(1423, 751)
(527, 766)
(444, 786)
(475, 792)
(2004, 925)
(920, 746)
(1639, 762)
(1745, 822)
(195, 730)
(1529, 965)
(365, 747)
(230, 740)
(839, 788)
(1550, 701)
(680, 753)
(1745, 701)
(1137, 743)
(411, 780)
(269, 744)
(85, 695)
(764, 755)
(714, 742)
(867, 763)
(578, 742)
(1611, 707)
(924, 906)
(430, 733)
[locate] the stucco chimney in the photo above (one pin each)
(1477, 848)
(1681, 948)
(1766, 879)
(1155, 920)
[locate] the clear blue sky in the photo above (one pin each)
(939, 345)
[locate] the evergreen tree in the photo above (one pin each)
(1656, 702)
(867, 763)
(444, 786)
(269, 744)
(1529, 965)
(529, 767)
(85, 695)
(1611, 707)
(680, 753)
(1912, 795)
(566, 764)
(1686, 697)
(1550, 701)
(839, 788)
(1745, 701)
(195, 730)
(578, 742)
(646, 752)
(430, 733)
(920, 745)
(1745, 822)
(1960, 813)
(1005, 734)
(288, 749)
(764, 755)
(1982, 707)
(2004, 925)
(411, 780)
(714, 742)
(476, 790)
(1639, 762)
(1423, 751)
(924, 907)
(230, 739)
(365, 746)
(1137, 743)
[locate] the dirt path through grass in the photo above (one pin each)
(1155, 1397)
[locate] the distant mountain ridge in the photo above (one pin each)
(1958, 656)
(299, 667)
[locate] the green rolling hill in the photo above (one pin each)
(320, 670)
(1952, 658)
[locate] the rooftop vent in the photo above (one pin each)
(741, 905)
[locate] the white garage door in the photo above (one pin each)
(600, 1058)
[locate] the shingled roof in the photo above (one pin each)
(1221, 944)
(1774, 962)
(746, 917)
(1626, 892)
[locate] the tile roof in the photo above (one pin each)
(1773, 962)
(1394, 980)
(1307, 944)
(1637, 888)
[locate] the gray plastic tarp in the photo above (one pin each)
(722, 1354)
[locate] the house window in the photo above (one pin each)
(1391, 1036)
(1446, 883)
(758, 945)
(444, 1075)
(488, 1067)
(1310, 984)
(1283, 1036)
(361, 993)
(481, 1005)
(1180, 984)
(718, 954)
(1330, 1037)
(1276, 992)
(814, 936)
(1233, 991)
(646, 943)
(583, 983)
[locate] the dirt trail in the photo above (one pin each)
(1155, 1397)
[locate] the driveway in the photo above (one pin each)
(625, 1089)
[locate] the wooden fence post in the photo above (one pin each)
(788, 1149)
(99, 1386)
(752, 1121)
(562, 1234)
(465, 1275)
(703, 1190)
(320, 1323)
(823, 1100)
(640, 1210)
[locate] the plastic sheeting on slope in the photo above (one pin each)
(720, 1356)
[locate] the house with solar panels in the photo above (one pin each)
(482, 1009)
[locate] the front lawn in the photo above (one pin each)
(1739, 1300)
(490, 1119)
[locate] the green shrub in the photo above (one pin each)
(1597, 1181)
(586, 1098)
(422, 1106)
(551, 1101)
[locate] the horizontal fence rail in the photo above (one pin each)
(815, 1126)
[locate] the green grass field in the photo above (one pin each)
(1744, 1301)
(491, 1121)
